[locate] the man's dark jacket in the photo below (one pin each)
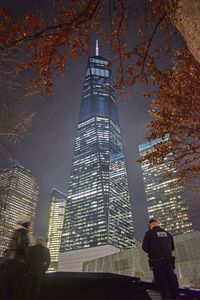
(158, 243)
(39, 260)
(19, 243)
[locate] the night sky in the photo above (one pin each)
(47, 149)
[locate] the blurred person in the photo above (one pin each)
(3, 273)
(159, 245)
(38, 263)
(15, 258)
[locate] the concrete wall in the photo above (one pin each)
(72, 261)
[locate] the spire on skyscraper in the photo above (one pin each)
(97, 48)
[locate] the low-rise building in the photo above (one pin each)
(134, 261)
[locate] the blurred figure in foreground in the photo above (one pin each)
(159, 244)
(38, 263)
(15, 258)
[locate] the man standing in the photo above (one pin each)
(38, 263)
(159, 244)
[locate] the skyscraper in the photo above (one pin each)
(166, 200)
(55, 225)
(18, 196)
(192, 192)
(98, 218)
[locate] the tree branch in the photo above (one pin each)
(150, 41)
(61, 25)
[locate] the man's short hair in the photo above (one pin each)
(152, 221)
(40, 240)
(24, 219)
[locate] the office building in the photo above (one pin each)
(18, 196)
(192, 192)
(166, 200)
(55, 225)
(98, 218)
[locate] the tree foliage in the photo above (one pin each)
(140, 38)
(176, 113)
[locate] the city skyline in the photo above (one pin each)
(48, 154)
(48, 146)
(99, 138)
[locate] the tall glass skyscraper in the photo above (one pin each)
(98, 218)
(192, 191)
(18, 196)
(166, 198)
(55, 225)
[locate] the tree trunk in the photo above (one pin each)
(186, 18)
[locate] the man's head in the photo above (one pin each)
(23, 220)
(40, 240)
(152, 223)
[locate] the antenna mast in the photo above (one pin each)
(97, 48)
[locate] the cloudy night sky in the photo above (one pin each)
(47, 149)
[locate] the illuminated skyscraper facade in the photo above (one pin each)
(98, 213)
(55, 225)
(192, 192)
(166, 200)
(18, 196)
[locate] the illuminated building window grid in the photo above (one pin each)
(19, 195)
(55, 226)
(165, 203)
(121, 183)
(121, 227)
(86, 225)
